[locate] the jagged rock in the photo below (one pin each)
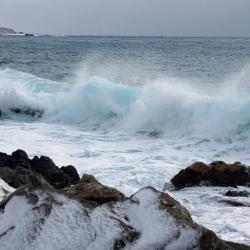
(43, 165)
(217, 173)
(88, 188)
(16, 168)
(72, 173)
(56, 177)
(20, 159)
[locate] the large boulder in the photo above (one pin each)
(88, 188)
(217, 173)
(149, 220)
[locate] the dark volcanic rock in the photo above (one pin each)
(7, 174)
(36, 113)
(16, 168)
(72, 173)
(20, 177)
(4, 160)
(88, 188)
(20, 159)
(59, 178)
(217, 173)
(43, 165)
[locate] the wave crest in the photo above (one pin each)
(168, 107)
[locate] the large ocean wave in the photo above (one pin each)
(170, 107)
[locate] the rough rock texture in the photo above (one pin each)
(217, 173)
(149, 219)
(72, 173)
(88, 188)
(16, 168)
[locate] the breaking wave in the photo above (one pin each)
(168, 107)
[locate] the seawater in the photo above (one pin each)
(133, 111)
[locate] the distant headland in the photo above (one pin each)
(5, 31)
(8, 31)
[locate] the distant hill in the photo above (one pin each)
(4, 31)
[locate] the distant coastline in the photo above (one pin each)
(6, 31)
(11, 32)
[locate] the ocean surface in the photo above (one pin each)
(133, 111)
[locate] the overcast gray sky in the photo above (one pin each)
(128, 17)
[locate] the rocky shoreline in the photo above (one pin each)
(55, 204)
(217, 173)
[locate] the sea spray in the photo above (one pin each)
(170, 107)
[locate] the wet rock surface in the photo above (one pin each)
(26, 111)
(88, 188)
(16, 168)
(36, 113)
(217, 173)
